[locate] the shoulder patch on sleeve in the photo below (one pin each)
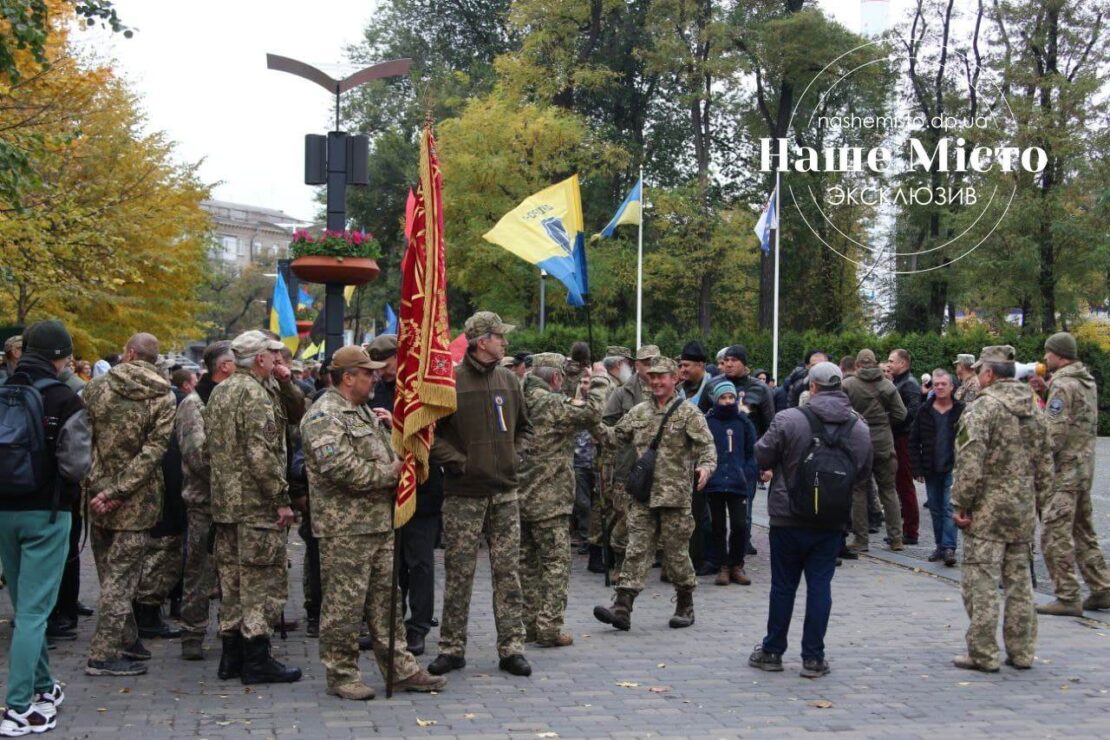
(1055, 407)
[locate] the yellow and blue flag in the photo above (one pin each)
(304, 299)
(630, 212)
(282, 320)
(546, 230)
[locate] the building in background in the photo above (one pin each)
(246, 234)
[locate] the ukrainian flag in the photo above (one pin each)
(630, 212)
(282, 320)
(545, 230)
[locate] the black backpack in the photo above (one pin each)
(25, 440)
(821, 492)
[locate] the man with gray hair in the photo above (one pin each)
(13, 350)
(250, 507)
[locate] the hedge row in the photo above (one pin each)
(927, 350)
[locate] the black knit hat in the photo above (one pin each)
(737, 352)
(48, 338)
(694, 351)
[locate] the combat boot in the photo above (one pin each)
(597, 560)
(1097, 600)
(620, 613)
(737, 575)
(192, 646)
(421, 681)
(148, 618)
(722, 576)
(231, 659)
(1061, 609)
(355, 691)
(683, 609)
(259, 665)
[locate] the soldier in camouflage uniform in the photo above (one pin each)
(1068, 534)
(200, 570)
(547, 497)
(131, 411)
(607, 507)
(250, 508)
(686, 454)
(633, 391)
(353, 473)
(969, 381)
(1002, 476)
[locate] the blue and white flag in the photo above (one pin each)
(768, 220)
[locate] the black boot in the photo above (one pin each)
(597, 560)
(684, 608)
(148, 618)
(620, 613)
(260, 667)
(231, 659)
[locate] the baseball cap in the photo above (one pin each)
(647, 352)
(485, 322)
(383, 347)
(352, 356)
(661, 365)
(825, 374)
(994, 353)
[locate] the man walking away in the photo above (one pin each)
(35, 519)
(817, 454)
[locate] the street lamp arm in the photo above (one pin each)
(301, 69)
(392, 68)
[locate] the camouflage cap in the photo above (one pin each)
(964, 359)
(485, 322)
(250, 343)
(615, 350)
(352, 356)
(508, 361)
(296, 366)
(647, 352)
(661, 365)
(994, 353)
(383, 347)
(548, 359)
(866, 358)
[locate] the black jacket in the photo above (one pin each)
(429, 494)
(923, 437)
(172, 521)
(750, 392)
(69, 438)
(910, 392)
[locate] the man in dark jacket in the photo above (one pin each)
(418, 536)
(34, 529)
(932, 455)
(910, 392)
(477, 448)
(752, 395)
(794, 392)
(800, 545)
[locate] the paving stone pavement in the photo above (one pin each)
(892, 635)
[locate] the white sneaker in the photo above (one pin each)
(54, 697)
(33, 721)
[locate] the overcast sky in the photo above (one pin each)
(200, 70)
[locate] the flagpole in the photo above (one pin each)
(640, 266)
(775, 329)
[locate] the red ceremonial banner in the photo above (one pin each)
(425, 372)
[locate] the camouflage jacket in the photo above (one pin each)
(1072, 415)
(1003, 472)
(620, 402)
(546, 473)
(686, 444)
(131, 412)
(189, 429)
(246, 452)
(968, 390)
(350, 468)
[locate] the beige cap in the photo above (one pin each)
(647, 352)
(350, 357)
(964, 359)
(661, 365)
(548, 359)
(994, 353)
(250, 343)
(485, 322)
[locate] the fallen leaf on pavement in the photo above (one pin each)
(627, 684)
(659, 689)
(547, 734)
(821, 704)
(964, 683)
(661, 665)
(125, 690)
(424, 722)
(469, 715)
(102, 709)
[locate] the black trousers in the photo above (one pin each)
(417, 570)
(70, 590)
(701, 549)
(583, 498)
(310, 577)
(735, 505)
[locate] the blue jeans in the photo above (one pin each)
(34, 554)
(796, 550)
(938, 493)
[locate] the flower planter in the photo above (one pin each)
(343, 270)
(304, 328)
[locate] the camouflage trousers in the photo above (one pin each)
(985, 563)
(463, 522)
(250, 563)
(119, 565)
(200, 573)
(356, 571)
(1068, 539)
(161, 569)
(545, 575)
(885, 470)
(610, 504)
(666, 529)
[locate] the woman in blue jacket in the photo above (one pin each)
(734, 436)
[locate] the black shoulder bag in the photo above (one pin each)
(642, 475)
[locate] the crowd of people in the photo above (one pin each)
(189, 478)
